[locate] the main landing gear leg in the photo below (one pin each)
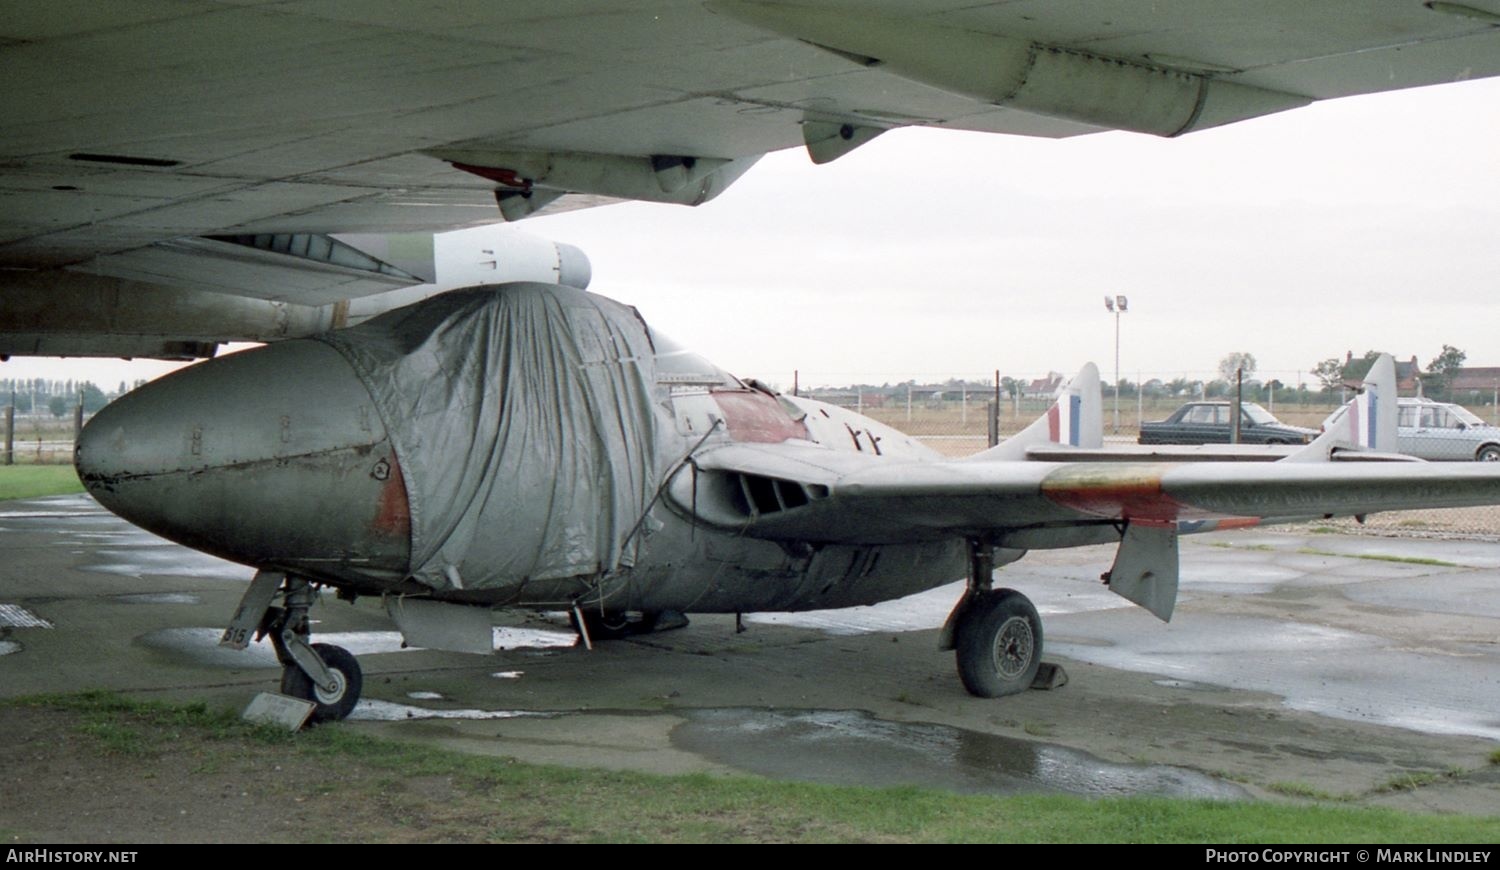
(996, 633)
(327, 675)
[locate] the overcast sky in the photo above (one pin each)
(1371, 222)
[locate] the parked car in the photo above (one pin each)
(1209, 423)
(1438, 430)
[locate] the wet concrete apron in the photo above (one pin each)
(1277, 632)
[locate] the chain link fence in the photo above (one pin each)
(953, 415)
(38, 439)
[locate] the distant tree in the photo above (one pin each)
(1235, 362)
(1179, 387)
(1010, 386)
(58, 405)
(1441, 370)
(1330, 373)
(93, 397)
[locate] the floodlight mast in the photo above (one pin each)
(1117, 305)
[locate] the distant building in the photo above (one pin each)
(1407, 375)
(1474, 381)
(1042, 388)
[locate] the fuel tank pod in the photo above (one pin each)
(273, 457)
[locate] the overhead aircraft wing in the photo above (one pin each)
(156, 149)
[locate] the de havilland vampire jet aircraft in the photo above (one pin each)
(537, 446)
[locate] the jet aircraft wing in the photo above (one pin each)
(154, 149)
(1002, 498)
(858, 499)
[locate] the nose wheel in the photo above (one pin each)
(329, 676)
(336, 699)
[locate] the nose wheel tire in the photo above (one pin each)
(999, 644)
(333, 703)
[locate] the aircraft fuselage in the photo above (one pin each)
(324, 461)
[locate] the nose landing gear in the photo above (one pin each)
(327, 675)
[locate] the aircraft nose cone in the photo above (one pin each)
(273, 457)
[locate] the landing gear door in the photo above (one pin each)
(252, 609)
(1145, 569)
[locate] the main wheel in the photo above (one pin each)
(1488, 453)
(999, 644)
(348, 680)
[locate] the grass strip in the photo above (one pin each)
(343, 784)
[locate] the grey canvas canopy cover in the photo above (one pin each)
(522, 419)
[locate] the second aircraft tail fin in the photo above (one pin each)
(1365, 424)
(1075, 419)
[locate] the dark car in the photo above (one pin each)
(1209, 423)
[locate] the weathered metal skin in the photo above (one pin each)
(271, 457)
(716, 572)
(277, 458)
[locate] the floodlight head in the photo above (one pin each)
(1109, 303)
(1121, 301)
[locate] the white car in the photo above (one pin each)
(1438, 430)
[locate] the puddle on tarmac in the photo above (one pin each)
(512, 637)
(16, 616)
(1319, 669)
(9, 646)
(424, 696)
(385, 711)
(1187, 685)
(166, 560)
(854, 748)
(158, 598)
(507, 675)
(930, 609)
(51, 507)
(200, 645)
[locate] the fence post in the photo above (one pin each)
(78, 419)
(993, 418)
(10, 431)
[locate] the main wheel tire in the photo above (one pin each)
(614, 626)
(331, 706)
(1488, 453)
(999, 644)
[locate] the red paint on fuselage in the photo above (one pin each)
(753, 416)
(393, 514)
